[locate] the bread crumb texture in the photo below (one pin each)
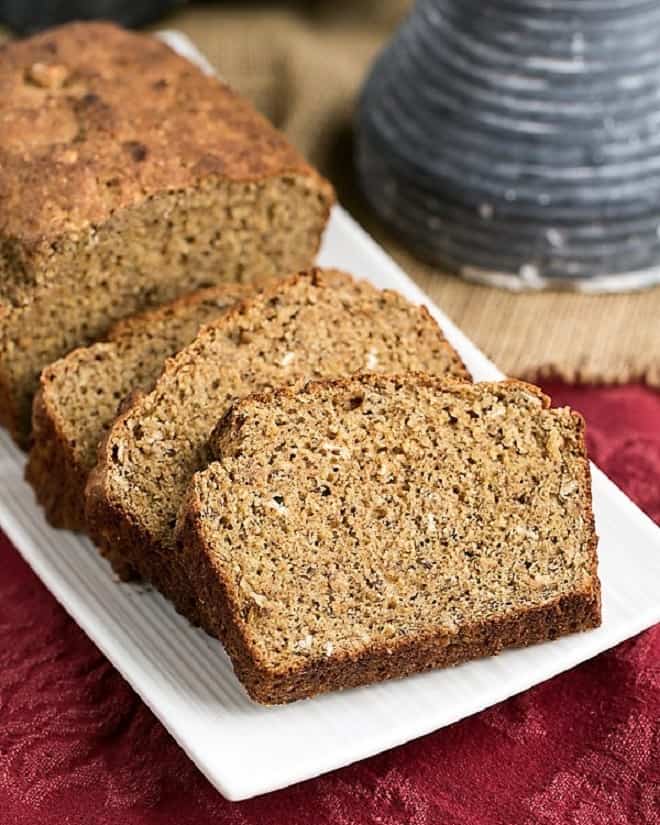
(79, 394)
(128, 177)
(371, 527)
(313, 325)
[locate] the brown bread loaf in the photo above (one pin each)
(79, 394)
(313, 325)
(128, 178)
(368, 528)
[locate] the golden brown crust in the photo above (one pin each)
(127, 326)
(447, 383)
(97, 119)
(53, 471)
(589, 510)
(10, 413)
(422, 651)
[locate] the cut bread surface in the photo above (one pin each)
(371, 527)
(129, 178)
(80, 394)
(316, 324)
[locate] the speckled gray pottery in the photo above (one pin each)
(518, 143)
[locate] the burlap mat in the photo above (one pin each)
(303, 64)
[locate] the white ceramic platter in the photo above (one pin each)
(186, 679)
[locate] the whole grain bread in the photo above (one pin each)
(79, 394)
(128, 178)
(313, 325)
(371, 527)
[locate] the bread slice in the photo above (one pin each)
(128, 177)
(317, 324)
(79, 394)
(371, 527)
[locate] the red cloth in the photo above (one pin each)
(77, 745)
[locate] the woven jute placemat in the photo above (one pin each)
(303, 64)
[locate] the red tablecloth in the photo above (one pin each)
(77, 745)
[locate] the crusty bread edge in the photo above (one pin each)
(10, 415)
(460, 364)
(126, 326)
(564, 614)
(53, 471)
(108, 527)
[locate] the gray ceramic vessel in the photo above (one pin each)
(518, 143)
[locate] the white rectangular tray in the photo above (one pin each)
(186, 679)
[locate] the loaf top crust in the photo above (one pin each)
(95, 118)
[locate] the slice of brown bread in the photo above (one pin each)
(80, 393)
(371, 527)
(316, 324)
